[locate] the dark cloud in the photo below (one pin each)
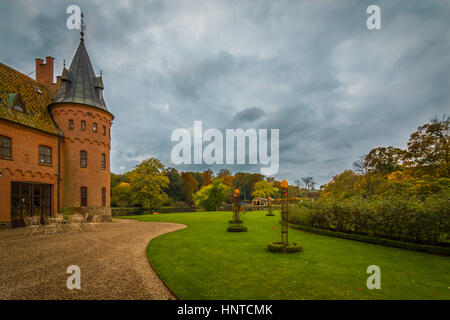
(333, 88)
(249, 114)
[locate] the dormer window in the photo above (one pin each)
(37, 89)
(15, 102)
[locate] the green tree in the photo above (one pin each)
(245, 182)
(121, 195)
(148, 183)
(117, 179)
(212, 196)
(175, 188)
(264, 189)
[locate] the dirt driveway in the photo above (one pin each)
(112, 262)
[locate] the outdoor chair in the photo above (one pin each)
(93, 223)
(51, 226)
(74, 224)
(32, 226)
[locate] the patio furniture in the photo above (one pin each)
(93, 223)
(57, 222)
(74, 224)
(50, 227)
(32, 225)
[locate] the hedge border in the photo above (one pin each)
(237, 229)
(380, 241)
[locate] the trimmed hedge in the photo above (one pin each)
(237, 229)
(380, 241)
(282, 248)
(394, 217)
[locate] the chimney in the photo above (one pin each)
(44, 71)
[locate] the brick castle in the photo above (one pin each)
(55, 142)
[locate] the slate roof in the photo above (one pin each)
(80, 84)
(17, 88)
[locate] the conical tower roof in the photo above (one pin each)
(80, 84)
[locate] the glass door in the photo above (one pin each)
(29, 199)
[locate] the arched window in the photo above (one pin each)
(83, 159)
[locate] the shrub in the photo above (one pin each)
(425, 221)
(300, 215)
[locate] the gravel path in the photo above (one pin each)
(112, 261)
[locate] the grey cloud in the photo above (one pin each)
(333, 88)
(249, 114)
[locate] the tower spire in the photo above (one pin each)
(83, 27)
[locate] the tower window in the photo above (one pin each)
(103, 161)
(104, 130)
(104, 197)
(94, 127)
(71, 124)
(83, 125)
(83, 198)
(5, 147)
(83, 159)
(45, 155)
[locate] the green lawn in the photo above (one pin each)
(204, 261)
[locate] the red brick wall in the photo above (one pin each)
(95, 143)
(24, 165)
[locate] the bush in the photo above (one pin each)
(300, 215)
(281, 247)
(425, 221)
(236, 228)
(379, 241)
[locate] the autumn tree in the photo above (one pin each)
(208, 177)
(382, 160)
(211, 197)
(245, 182)
(342, 185)
(223, 173)
(148, 182)
(121, 195)
(428, 147)
(264, 189)
(189, 186)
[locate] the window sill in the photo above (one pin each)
(7, 158)
(46, 164)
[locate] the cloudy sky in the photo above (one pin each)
(309, 68)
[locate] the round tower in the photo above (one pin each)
(81, 114)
